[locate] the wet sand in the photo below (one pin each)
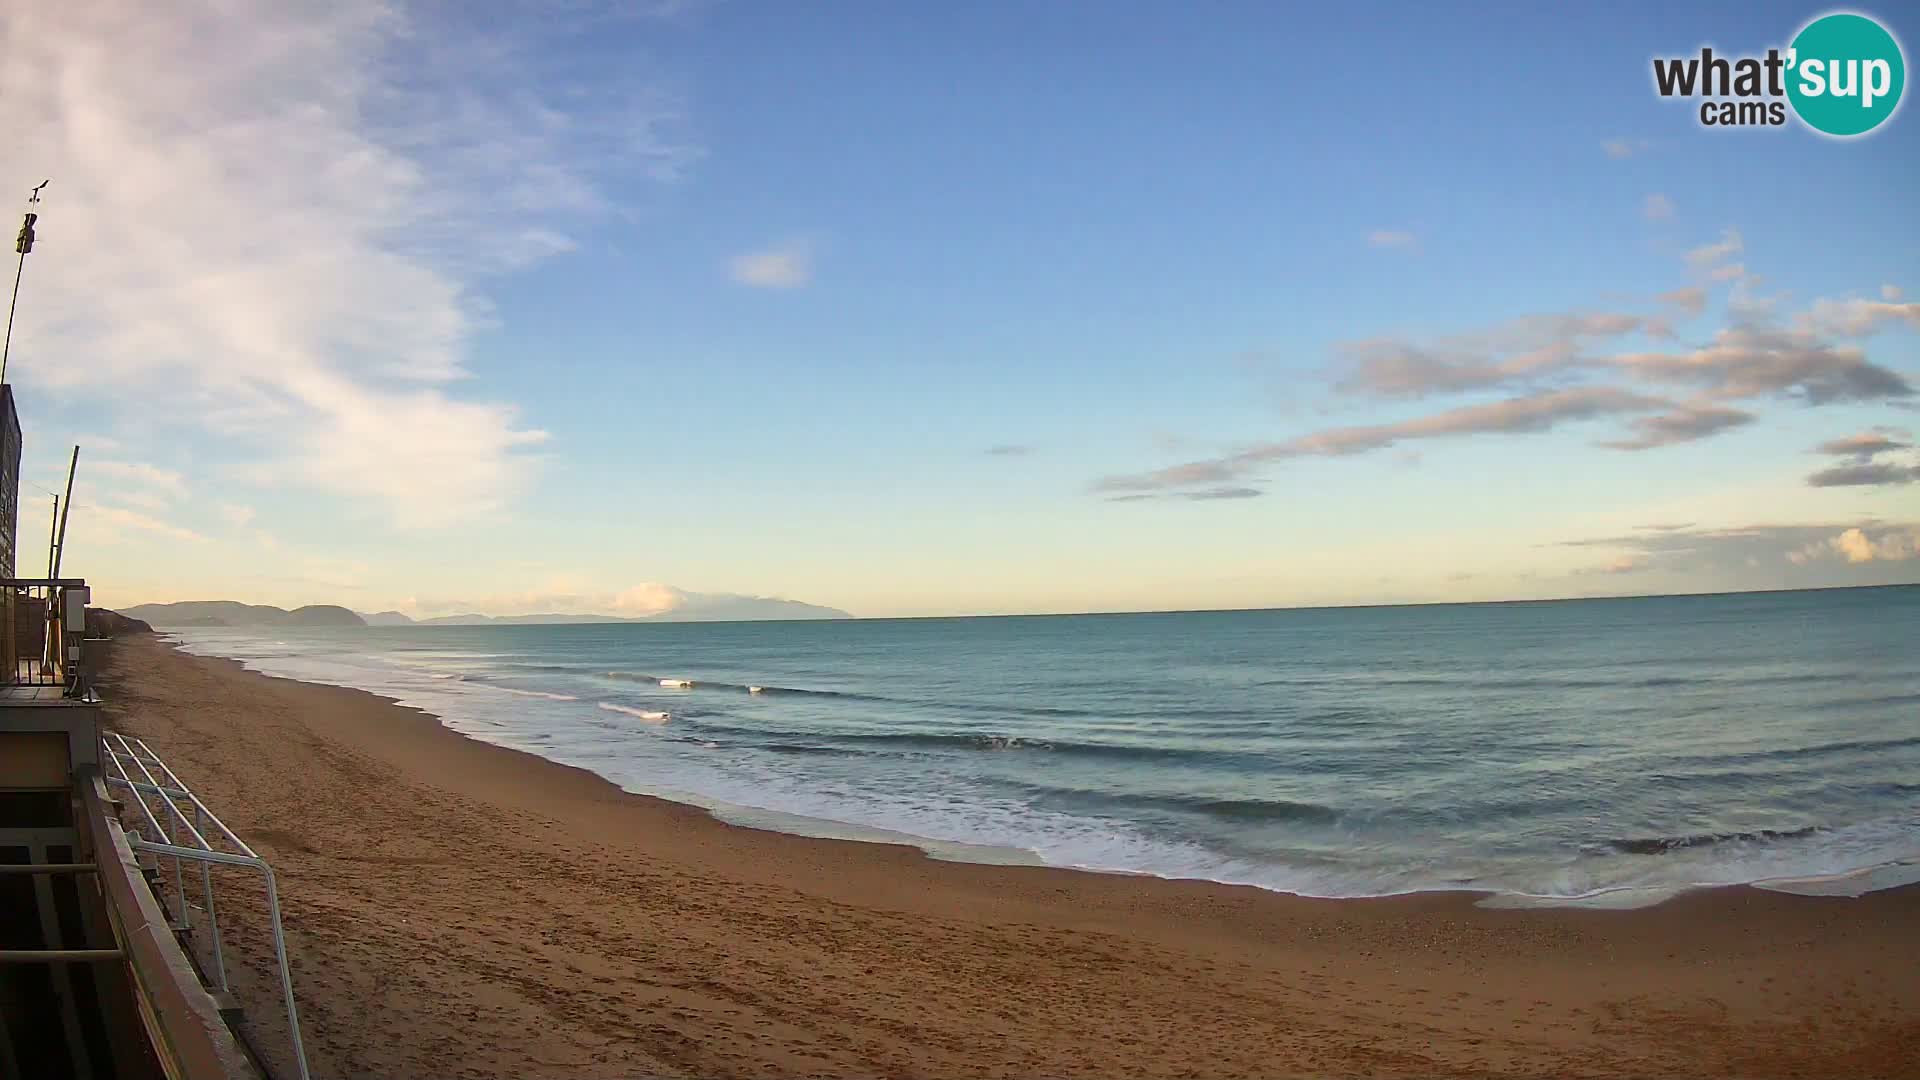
(462, 910)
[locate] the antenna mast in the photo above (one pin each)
(66, 508)
(22, 244)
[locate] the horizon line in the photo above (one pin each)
(616, 619)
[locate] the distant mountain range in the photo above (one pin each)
(694, 608)
(229, 613)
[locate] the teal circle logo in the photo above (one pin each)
(1845, 73)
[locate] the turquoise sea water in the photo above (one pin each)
(1611, 750)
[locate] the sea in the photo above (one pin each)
(1609, 752)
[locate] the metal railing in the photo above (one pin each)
(44, 623)
(183, 826)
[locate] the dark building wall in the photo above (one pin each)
(9, 481)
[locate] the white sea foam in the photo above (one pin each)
(651, 717)
(1854, 883)
(531, 693)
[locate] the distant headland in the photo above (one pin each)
(704, 608)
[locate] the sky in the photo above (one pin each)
(914, 309)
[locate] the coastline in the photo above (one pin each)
(556, 925)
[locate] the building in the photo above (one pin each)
(9, 481)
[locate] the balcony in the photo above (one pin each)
(44, 625)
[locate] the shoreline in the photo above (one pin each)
(1849, 882)
(530, 917)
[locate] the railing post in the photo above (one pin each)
(213, 917)
(13, 629)
(286, 971)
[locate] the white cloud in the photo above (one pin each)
(1618, 148)
(162, 483)
(1889, 292)
(1392, 238)
(1856, 317)
(237, 514)
(1856, 546)
(1657, 208)
(1746, 362)
(787, 266)
(649, 598)
(1691, 299)
(1707, 257)
(271, 230)
(107, 524)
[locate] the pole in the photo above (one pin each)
(23, 245)
(7, 350)
(46, 636)
(66, 509)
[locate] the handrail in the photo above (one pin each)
(54, 956)
(183, 1020)
(119, 752)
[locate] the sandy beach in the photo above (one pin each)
(462, 910)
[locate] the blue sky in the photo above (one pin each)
(538, 308)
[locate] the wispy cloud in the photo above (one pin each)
(1517, 351)
(164, 483)
(787, 266)
(1624, 147)
(1010, 450)
(1531, 413)
(1855, 318)
(1691, 299)
(1706, 257)
(108, 524)
(1657, 208)
(1684, 424)
(1213, 494)
(1746, 362)
(1875, 458)
(1865, 474)
(1865, 444)
(274, 230)
(1559, 368)
(1392, 238)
